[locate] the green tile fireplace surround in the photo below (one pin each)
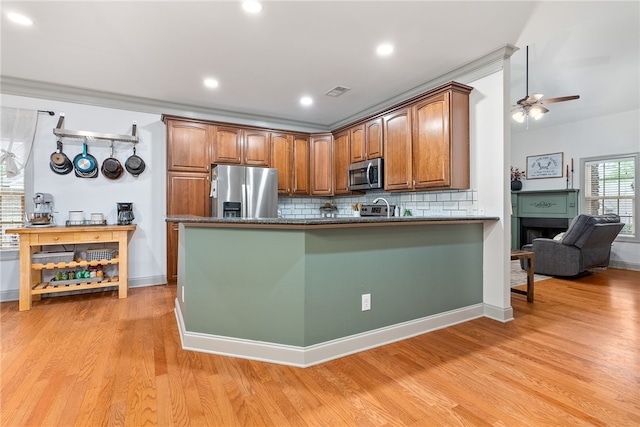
(293, 296)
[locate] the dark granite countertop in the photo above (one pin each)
(324, 222)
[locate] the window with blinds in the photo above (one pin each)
(610, 187)
(11, 207)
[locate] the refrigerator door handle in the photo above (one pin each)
(249, 199)
(244, 201)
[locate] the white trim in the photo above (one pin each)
(624, 265)
(503, 315)
(315, 354)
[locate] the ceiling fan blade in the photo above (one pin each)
(560, 99)
(534, 98)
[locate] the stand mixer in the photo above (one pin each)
(42, 216)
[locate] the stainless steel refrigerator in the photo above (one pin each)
(244, 192)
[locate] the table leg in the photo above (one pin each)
(24, 303)
(530, 272)
(123, 265)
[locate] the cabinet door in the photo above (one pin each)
(431, 143)
(397, 150)
(341, 163)
(172, 252)
(357, 144)
(256, 148)
(300, 165)
(373, 138)
(188, 194)
(321, 165)
(227, 145)
(281, 159)
(188, 146)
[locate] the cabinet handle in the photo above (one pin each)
(414, 182)
(407, 184)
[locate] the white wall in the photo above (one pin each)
(147, 255)
(605, 135)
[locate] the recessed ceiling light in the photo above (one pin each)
(19, 19)
(306, 100)
(212, 83)
(251, 6)
(384, 49)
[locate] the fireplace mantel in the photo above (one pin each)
(544, 205)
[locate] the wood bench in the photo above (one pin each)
(528, 256)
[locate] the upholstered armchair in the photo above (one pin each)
(586, 244)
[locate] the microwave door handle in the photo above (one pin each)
(369, 175)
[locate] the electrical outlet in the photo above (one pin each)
(366, 302)
(183, 294)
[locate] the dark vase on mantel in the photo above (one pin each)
(516, 185)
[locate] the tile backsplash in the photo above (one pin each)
(453, 203)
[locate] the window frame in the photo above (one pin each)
(636, 204)
(28, 171)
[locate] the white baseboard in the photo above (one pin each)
(139, 282)
(312, 355)
(503, 315)
(624, 265)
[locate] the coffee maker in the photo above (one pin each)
(125, 213)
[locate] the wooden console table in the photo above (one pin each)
(33, 239)
(528, 257)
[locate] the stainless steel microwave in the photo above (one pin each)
(366, 175)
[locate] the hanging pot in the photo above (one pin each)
(85, 164)
(59, 162)
(111, 167)
(134, 164)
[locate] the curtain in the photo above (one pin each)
(18, 132)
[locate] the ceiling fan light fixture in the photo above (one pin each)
(518, 116)
(536, 112)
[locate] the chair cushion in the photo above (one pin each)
(581, 224)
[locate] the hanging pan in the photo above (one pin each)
(111, 167)
(59, 162)
(134, 164)
(85, 164)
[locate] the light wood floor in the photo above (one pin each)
(570, 358)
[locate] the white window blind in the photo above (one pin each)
(11, 206)
(610, 187)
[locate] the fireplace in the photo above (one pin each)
(533, 228)
(541, 214)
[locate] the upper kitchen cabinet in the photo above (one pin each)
(366, 141)
(188, 146)
(290, 155)
(427, 142)
(341, 163)
(321, 159)
(441, 140)
(237, 146)
(398, 174)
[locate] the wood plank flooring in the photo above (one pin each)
(571, 358)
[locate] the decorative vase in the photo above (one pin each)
(516, 185)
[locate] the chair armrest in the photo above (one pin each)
(555, 259)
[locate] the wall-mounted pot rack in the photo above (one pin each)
(94, 136)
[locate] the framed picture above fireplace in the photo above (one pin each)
(545, 166)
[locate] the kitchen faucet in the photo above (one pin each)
(388, 207)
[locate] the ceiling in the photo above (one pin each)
(160, 52)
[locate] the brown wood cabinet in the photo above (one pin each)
(290, 155)
(441, 141)
(398, 174)
(341, 163)
(366, 141)
(238, 146)
(187, 194)
(188, 146)
(427, 142)
(321, 158)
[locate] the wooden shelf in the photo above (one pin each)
(48, 288)
(74, 264)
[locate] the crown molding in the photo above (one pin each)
(465, 74)
(483, 66)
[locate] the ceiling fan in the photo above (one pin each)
(532, 105)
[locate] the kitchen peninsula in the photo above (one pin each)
(291, 291)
